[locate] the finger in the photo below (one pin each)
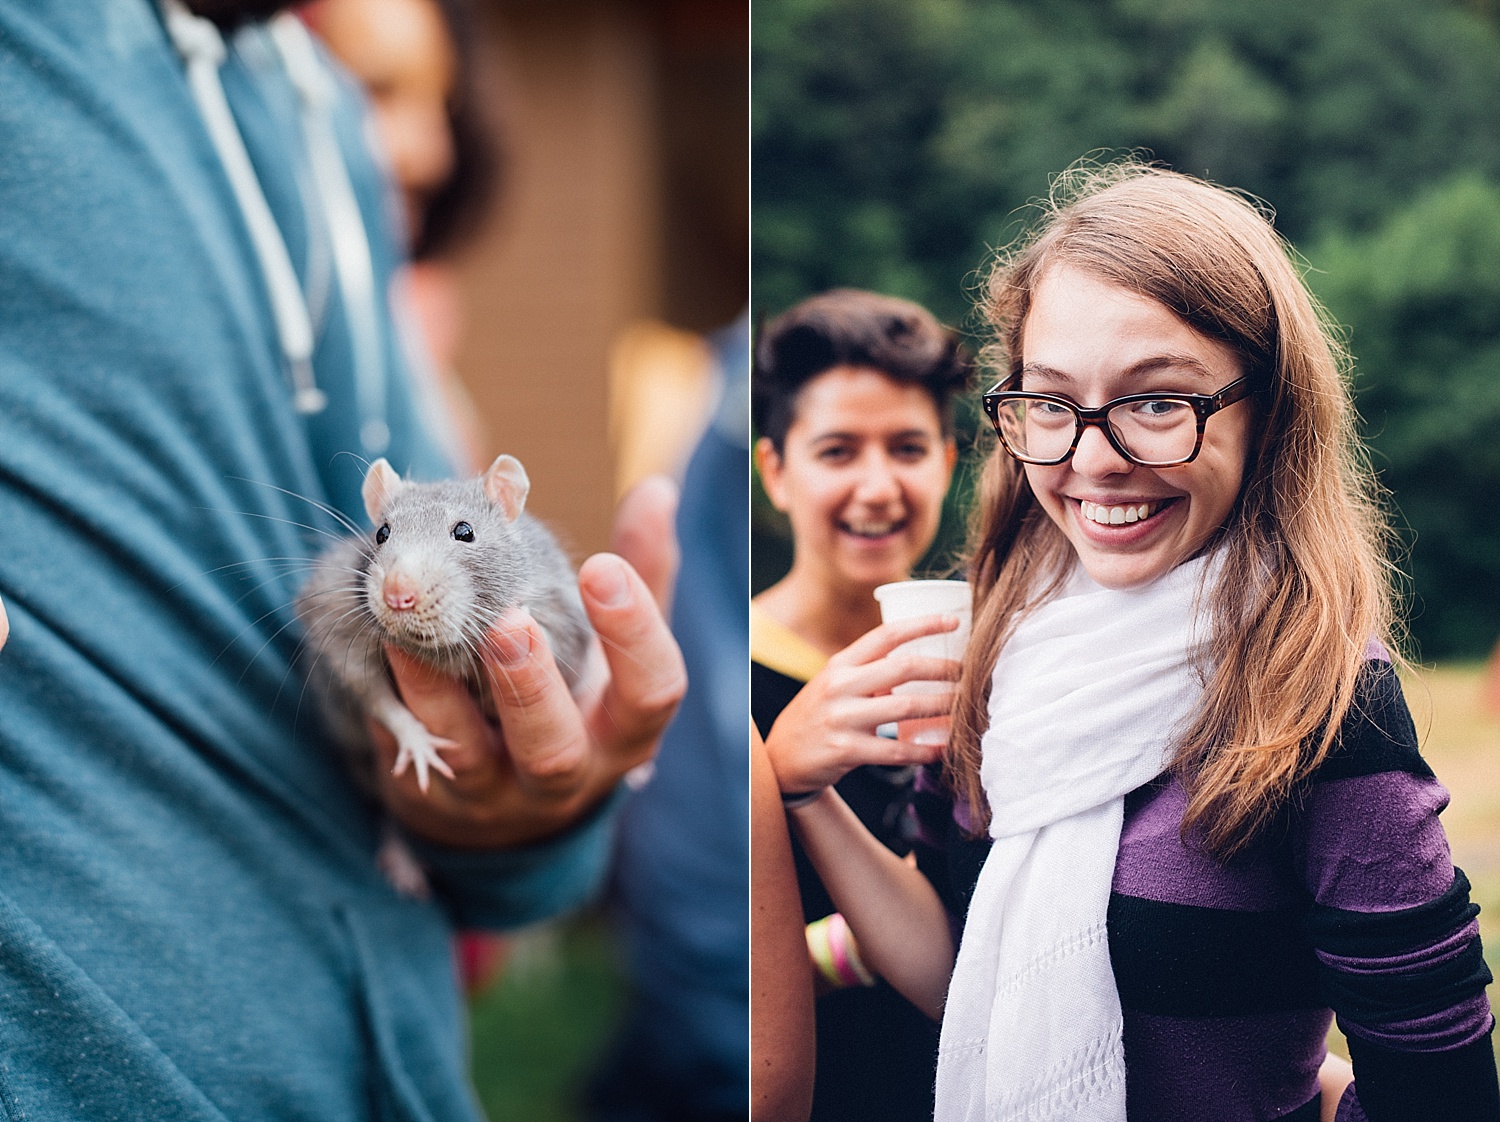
(871, 712)
(544, 733)
(885, 674)
(881, 751)
(882, 640)
(645, 533)
(647, 677)
(901, 753)
(445, 706)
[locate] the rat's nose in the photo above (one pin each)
(400, 592)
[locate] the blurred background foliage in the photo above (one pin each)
(896, 143)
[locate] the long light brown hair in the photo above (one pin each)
(1305, 586)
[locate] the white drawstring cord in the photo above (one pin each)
(202, 49)
(351, 246)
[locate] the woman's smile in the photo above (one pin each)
(1115, 512)
(873, 529)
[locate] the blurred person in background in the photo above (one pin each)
(852, 400)
(418, 62)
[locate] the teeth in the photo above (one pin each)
(1116, 515)
(870, 529)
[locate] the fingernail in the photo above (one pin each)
(511, 646)
(608, 584)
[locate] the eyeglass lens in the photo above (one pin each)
(1159, 431)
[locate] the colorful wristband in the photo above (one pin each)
(831, 945)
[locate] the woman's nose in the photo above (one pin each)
(877, 480)
(1095, 457)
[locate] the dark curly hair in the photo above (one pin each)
(850, 327)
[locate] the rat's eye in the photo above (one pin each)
(382, 533)
(463, 532)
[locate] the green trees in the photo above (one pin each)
(1421, 296)
(896, 143)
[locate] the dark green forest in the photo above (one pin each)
(896, 143)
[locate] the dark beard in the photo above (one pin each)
(230, 14)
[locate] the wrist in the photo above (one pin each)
(795, 800)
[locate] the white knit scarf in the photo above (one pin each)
(1088, 698)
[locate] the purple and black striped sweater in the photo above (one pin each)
(1348, 906)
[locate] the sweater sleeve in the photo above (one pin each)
(1392, 925)
(498, 890)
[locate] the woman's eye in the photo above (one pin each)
(1050, 414)
(1158, 409)
(382, 533)
(463, 532)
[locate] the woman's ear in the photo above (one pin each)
(769, 463)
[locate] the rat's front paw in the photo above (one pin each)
(419, 748)
(416, 746)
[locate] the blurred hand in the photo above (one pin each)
(828, 729)
(549, 759)
(4, 625)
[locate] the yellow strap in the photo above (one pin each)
(774, 645)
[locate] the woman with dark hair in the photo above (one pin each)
(417, 60)
(1179, 731)
(419, 63)
(852, 400)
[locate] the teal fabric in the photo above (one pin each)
(191, 922)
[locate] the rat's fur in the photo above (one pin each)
(457, 589)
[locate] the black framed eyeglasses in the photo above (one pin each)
(1149, 429)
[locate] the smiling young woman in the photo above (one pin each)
(852, 401)
(1287, 852)
(1189, 822)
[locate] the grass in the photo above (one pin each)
(1460, 739)
(540, 1029)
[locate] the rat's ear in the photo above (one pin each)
(381, 482)
(507, 486)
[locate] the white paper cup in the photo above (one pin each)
(910, 598)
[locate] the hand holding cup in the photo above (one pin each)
(828, 729)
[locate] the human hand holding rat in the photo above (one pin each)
(551, 759)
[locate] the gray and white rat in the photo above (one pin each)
(443, 562)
